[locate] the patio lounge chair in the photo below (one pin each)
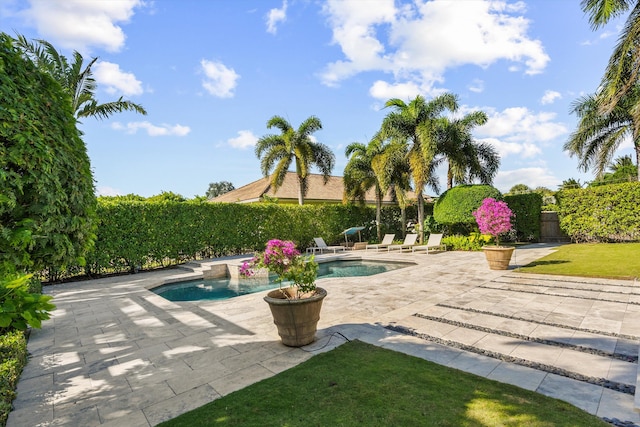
(321, 246)
(409, 241)
(386, 241)
(432, 244)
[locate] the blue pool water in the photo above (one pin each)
(224, 288)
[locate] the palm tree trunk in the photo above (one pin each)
(300, 194)
(420, 216)
(403, 219)
(449, 177)
(379, 216)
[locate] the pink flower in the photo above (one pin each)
(493, 217)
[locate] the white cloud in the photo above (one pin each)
(519, 131)
(152, 130)
(476, 86)
(549, 97)
(276, 16)
(383, 90)
(107, 191)
(81, 24)
(219, 80)
(245, 139)
(532, 177)
(116, 80)
(420, 46)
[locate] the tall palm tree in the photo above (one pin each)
(392, 169)
(599, 134)
(415, 124)
(74, 79)
(622, 73)
(276, 152)
(467, 160)
(359, 176)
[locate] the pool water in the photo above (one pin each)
(224, 288)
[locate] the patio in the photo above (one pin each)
(115, 353)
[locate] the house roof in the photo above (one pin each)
(318, 191)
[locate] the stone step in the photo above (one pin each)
(590, 365)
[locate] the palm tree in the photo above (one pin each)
(78, 82)
(467, 160)
(392, 169)
(359, 176)
(278, 151)
(621, 75)
(414, 124)
(600, 134)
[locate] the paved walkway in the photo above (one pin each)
(115, 353)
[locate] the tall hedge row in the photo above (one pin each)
(608, 213)
(528, 214)
(136, 235)
(47, 199)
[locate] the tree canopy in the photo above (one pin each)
(277, 152)
(77, 81)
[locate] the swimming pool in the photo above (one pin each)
(225, 288)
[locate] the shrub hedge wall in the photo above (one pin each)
(528, 214)
(135, 235)
(607, 213)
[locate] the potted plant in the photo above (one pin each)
(296, 307)
(494, 218)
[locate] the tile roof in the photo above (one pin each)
(318, 192)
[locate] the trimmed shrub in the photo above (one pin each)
(455, 206)
(527, 209)
(13, 357)
(608, 213)
(472, 242)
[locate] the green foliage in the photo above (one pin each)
(473, 242)
(527, 209)
(135, 235)
(455, 206)
(13, 357)
(608, 213)
(47, 202)
(18, 307)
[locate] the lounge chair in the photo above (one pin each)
(433, 243)
(409, 241)
(386, 241)
(321, 246)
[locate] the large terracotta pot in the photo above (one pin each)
(296, 319)
(498, 257)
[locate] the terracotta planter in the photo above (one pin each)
(296, 319)
(498, 257)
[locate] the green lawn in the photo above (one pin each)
(358, 384)
(609, 260)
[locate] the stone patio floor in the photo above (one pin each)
(116, 354)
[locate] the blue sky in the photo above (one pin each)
(212, 73)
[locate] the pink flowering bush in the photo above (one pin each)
(493, 217)
(282, 258)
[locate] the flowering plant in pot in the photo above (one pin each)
(282, 258)
(494, 218)
(296, 308)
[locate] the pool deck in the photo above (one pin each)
(116, 354)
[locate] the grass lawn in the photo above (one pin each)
(358, 384)
(609, 260)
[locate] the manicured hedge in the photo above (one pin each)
(528, 214)
(607, 213)
(13, 357)
(135, 235)
(455, 206)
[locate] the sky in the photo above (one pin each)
(212, 73)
